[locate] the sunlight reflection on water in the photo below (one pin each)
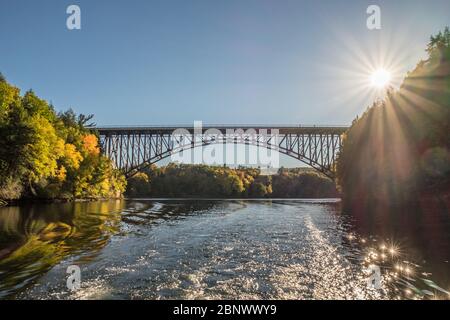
(235, 249)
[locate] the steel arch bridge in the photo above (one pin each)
(134, 148)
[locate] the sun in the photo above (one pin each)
(380, 78)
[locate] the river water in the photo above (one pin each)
(216, 249)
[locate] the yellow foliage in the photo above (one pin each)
(46, 149)
(61, 174)
(141, 176)
(71, 156)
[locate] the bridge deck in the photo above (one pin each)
(283, 129)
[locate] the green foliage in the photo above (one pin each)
(49, 155)
(196, 180)
(138, 185)
(182, 180)
(400, 147)
(301, 183)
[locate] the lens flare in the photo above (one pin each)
(380, 78)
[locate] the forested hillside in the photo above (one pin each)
(399, 149)
(184, 180)
(44, 154)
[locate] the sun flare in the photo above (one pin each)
(380, 78)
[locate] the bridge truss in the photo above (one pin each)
(134, 148)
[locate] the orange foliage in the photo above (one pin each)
(90, 144)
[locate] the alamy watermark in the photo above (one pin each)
(373, 22)
(374, 279)
(226, 146)
(74, 279)
(73, 21)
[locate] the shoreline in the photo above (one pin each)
(17, 202)
(425, 198)
(5, 203)
(332, 199)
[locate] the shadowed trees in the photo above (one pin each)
(183, 180)
(400, 147)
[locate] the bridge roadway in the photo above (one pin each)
(283, 129)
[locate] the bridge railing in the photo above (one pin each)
(218, 126)
(286, 125)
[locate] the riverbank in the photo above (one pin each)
(334, 200)
(22, 202)
(19, 202)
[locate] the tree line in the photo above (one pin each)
(45, 154)
(399, 149)
(187, 180)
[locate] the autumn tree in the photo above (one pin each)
(49, 155)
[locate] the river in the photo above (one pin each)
(216, 249)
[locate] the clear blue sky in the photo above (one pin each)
(246, 61)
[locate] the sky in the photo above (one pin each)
(240, 62)
(174, 62)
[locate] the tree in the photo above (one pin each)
(400, 147)
(44, 154)
(182, 180)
